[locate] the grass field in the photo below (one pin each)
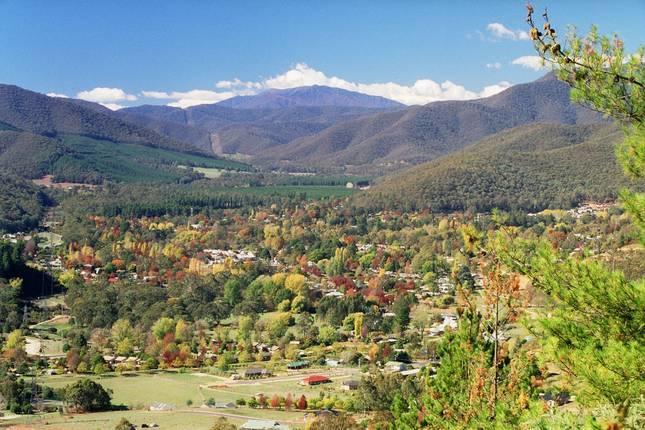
(142, 389)
(209, 172)
(47, 238)
(138, 391)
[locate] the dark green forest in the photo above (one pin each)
(531, 167)
(22, 204)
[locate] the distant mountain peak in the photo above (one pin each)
(547, 78)
(309, 96)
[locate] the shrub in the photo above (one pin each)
(124, 424)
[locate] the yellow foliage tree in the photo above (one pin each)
(296, 283)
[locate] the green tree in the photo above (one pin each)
(605, 78)
(327, 335)
(595, 330)
(334, 422)
(245, 327)
(86, 395)
(233, 292)
(163, 326)
(401, 308)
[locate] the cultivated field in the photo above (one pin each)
(137, 391)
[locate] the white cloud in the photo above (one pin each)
(112, 106)
(60, 96)
(236, 83)
(530, 62)
(500, 31)
(105, 95)
(189, 98)
(495, 65)
(155, 94)
(491, 90)
(420, 92)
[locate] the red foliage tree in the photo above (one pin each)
(275, 401)
(288, 401)
(302, 403)
(262, 401)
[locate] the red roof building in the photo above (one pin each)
(315, 380)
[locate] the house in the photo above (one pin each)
(256, 372)
(295, 365)
(350, 385)
(222, 405)
(263, 425)
(337, 294)
(315, 380)
(333, 362)
(396, 366)
(159, 406)
(410, 372)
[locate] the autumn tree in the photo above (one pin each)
(302, 403)
(288, 401)
(275, 401)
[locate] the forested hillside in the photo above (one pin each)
(78, 141)
(422, 133)
(529, 167)
(251, 131)
(51, 116)
(22, 204)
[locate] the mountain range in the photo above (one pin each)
(250, 126)
(332, 129)
(315, 95)
(307, 128)
(79, 141)
(422, 133)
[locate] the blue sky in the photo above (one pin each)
(176, 52)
